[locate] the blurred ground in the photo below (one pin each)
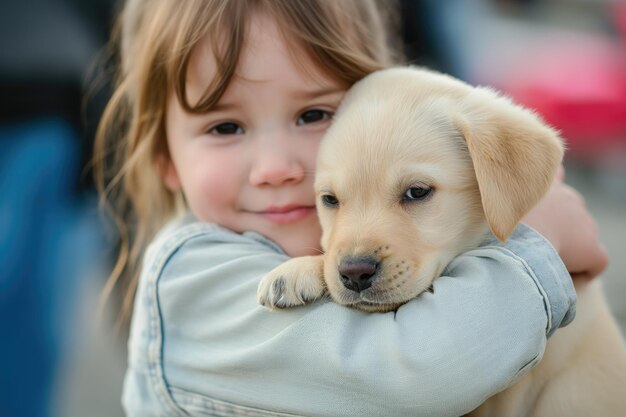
(90, 383)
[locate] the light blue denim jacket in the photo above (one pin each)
(201, 346)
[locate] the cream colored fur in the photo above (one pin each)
(487, 162)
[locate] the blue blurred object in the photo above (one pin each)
(48, 238)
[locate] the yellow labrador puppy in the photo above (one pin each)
(415, 170)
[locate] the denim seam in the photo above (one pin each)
(546, 303)
(172, 397)
(524, 369)
(531, 272)
(155, 333)
(223, 408)
(557, 284)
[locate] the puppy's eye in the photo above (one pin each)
(417, 193)
(330, 201)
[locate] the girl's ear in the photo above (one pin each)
(515, 157)
(168, 172)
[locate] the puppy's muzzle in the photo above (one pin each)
(358, 274)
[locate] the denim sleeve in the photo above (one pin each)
(543, 261)
(200, 345)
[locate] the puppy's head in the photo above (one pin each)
(416, 168)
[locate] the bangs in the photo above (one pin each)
(343, 47)
(226, 30)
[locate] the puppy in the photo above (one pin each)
(417, 168)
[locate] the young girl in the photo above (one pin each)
(216, 122)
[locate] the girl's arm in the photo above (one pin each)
(200, 344)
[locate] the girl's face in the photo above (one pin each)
(248, 164)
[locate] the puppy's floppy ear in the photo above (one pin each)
(515, 156)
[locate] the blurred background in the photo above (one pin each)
(564, 58)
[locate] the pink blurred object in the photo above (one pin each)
(579, 87)
(577, 82)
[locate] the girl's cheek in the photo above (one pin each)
(311, 151)
(219, 184)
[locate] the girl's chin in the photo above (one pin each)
(301, 243)
(296, 239)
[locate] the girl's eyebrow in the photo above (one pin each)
(317, 93)
(300, 95)
(225, 107)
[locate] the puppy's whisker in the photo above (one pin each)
(318, 250)
(383, 297)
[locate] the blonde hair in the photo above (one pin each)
(347, 38)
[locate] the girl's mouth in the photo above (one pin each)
(287, 214)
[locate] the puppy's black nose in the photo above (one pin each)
(357, 274)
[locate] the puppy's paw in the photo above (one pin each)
(293, 283)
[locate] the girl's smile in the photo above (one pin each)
(287, 214)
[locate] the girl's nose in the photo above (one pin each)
(276, 166)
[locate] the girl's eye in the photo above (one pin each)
(228, 128)
(417, 193)
(313, 116)
(330, 201)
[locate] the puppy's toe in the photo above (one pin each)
(278, 290)
(273, 292)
